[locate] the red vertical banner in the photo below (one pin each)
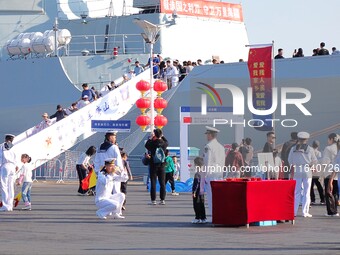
(260, 72)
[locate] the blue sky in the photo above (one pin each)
(293, 24)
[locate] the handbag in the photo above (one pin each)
(145, 160)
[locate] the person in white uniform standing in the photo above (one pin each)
(108, 149)
(8, 167)
(107, 203)
(214, 159)
(302, 158)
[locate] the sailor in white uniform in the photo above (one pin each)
(107, 203)
(108, 149)
(214, 159)
(8, 167)
(302, 158)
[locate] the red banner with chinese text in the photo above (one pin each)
(260, 72)
(199, 8)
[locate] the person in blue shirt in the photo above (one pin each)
(138, 68)
(88, 92)
(155, 63)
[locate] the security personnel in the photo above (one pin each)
(8, 167)
(107, 203)
(108, 149)
(302, 158)
(214, 159)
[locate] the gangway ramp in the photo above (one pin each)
(64, 134)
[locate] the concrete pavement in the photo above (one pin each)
(63, 223)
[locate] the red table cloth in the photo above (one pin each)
(244, 202)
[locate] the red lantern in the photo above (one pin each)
(160, 104)
(143, 104)
(160, 121)
(143, 86)
(143, 121)
(159, 86)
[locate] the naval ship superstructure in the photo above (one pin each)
(101, 43)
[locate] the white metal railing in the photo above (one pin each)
(91, 45)
(104, 44)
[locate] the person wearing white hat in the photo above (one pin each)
(108, 204)
(83, 102)
(214, 159)
(108, 149)
(8, 167)
(302, 158)
(45, 123)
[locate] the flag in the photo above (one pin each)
(260, 72)
(89, 181)
(17, 199)
(93, 179)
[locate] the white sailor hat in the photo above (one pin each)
(110, 161)
(303, 135)
(9, 135)
(211, 130)
(85, 96)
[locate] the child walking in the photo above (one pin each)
(169, 172)
(27, 181)
(198, 193)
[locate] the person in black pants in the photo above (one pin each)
(123, 185)
(157, 169)
(331, 187)
(82, 167)
(331, 197)
(197, 194)
(315, 181)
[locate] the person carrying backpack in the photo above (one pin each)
(157, 145)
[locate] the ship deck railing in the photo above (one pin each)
(105, 44)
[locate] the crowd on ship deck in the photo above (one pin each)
(320, 51)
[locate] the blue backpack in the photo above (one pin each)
(159, 156)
